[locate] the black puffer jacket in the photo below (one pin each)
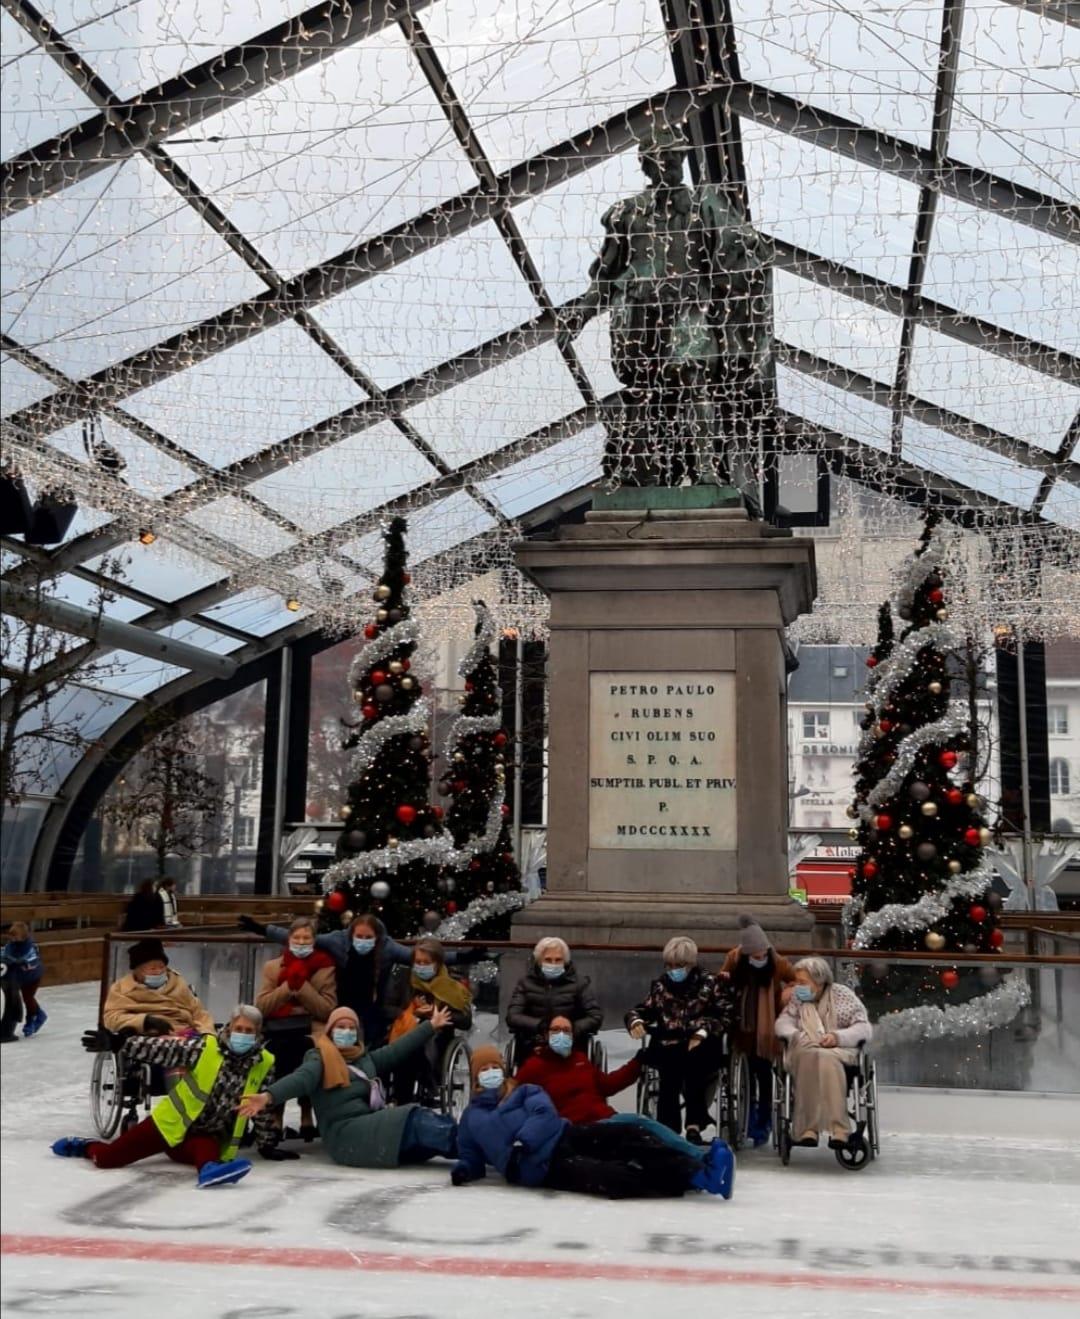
(536, 1000)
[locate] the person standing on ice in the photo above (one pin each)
(346, 1085)
(761, 982)
(22, 964)
(516, 1130)
(197, 1121)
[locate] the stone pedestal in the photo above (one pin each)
(667, 786)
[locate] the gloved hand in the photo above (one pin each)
(97, 1040)
(513, 1165)
(253, 926)
(156, 1025)
(295, 978)
(277, 1155)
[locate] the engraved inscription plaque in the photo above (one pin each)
(662, 761)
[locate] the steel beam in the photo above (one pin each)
(194, 96)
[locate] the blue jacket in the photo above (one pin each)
(24, 960)
(338, 942)
(523, 1127)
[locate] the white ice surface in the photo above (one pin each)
(956, 1219)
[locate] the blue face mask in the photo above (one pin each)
(804, 993)
(552, 970)
(301, 949)
(491, 1078)
(241, 1041)
(677, 974)
(156, 981)
(363, 946)
(425, 972)
(344, 1038)
(561, 1043)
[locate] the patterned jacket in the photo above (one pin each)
(218, 1116)
(675, 1012)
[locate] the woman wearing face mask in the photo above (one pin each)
(428, 986)
(551, 987)
(297, 994)
(153, 999)
(761, 982)
(822, 1028)
(516, 1130)
(347, 1087)
(197, 1122)
(685, 1014)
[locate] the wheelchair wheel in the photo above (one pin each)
(598, 1053)
(873, 1133)
(648, 1092)
(456, 1080)
(783, 1143)
(107, 1093)
(856, 1153)
(735, 1100)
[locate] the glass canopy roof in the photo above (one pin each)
(306, 271)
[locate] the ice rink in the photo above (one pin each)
(974, 1208)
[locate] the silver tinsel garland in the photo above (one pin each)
(395, 725)
(940, 731)
(382, 647)
(918, 567)
(930, 908)
(978, 1016)
(482, 644)
(479, 910)
(467, 725)
(387, 860)
(902, 660)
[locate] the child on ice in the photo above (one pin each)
(22, 965)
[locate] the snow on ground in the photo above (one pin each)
(972, 1209)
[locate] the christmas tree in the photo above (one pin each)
(919, 883)
(392, 843)
(484, 866)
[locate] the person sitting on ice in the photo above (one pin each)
(580, 1091)
(428, 985)
(551, 986)
(197, 1121)
(516, 1130)
(153, 999)
(761, 982)
(347, 1084)
(822, 1028)
(686, 1014)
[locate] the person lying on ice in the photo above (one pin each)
(346, 1086)
(197, 1121)
(516, 1130)
(580, 1091)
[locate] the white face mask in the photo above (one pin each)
(490, 1078)
(759, 962)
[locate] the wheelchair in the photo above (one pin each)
(862, 1102)
(598, 1054)
(728, 1096)
(119, 1088)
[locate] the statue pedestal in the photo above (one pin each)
(667, 785)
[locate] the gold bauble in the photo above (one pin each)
(985, 836)
(345, 812)
(974, 800)
(852, 813)
(905, 831)
(942, 615)
(347, 917)
(391, 843)
(955, 866)
(396, 666)
(459, 757)
(934, 941)
(319, 904)
(382, 592)
(934, 687)
(407, 684)
(853, 834)
(929, 808)
(382, 615)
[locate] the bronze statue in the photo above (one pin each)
(688, 283)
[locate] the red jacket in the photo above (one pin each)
(578, 1088)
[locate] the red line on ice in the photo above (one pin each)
(295, 1257)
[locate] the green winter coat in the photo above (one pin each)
(352, 1132)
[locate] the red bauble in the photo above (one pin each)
(458, 785)
(406, 813)
(954, 796)
(451, 907)
(947, 759)
(314, 810)
(949, 979)
(507, 858)
(369, 711)
(851, 872)
(371, 631)
(474, 864)
(438, 812)
(869, 868)
(871, 662)
(406, 665)
(500, 739)
(937, 595)
(378, 677)
(470, 686)
(997, 938)
(337, 901)
(971, 837)
(885, 725)
(977, 914)
(884, 823)
(505, 811)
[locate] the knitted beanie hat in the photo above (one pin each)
(753, 940)
(484, 1055)
(146, 950)
(343, 1015)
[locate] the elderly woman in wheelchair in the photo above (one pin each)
(822, 1028)
(153, 999)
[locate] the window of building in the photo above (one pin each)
(246, 771)
(245, 831)
(1059, 777)
(856, 719)
(815, 724)
(1057, 720)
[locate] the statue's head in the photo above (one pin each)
(661, 153)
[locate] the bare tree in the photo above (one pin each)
(42, 667)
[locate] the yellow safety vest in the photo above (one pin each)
(188, 1094)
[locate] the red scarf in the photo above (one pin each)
(290, 963)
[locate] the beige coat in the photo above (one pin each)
(317, 996)
(129, 1003)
